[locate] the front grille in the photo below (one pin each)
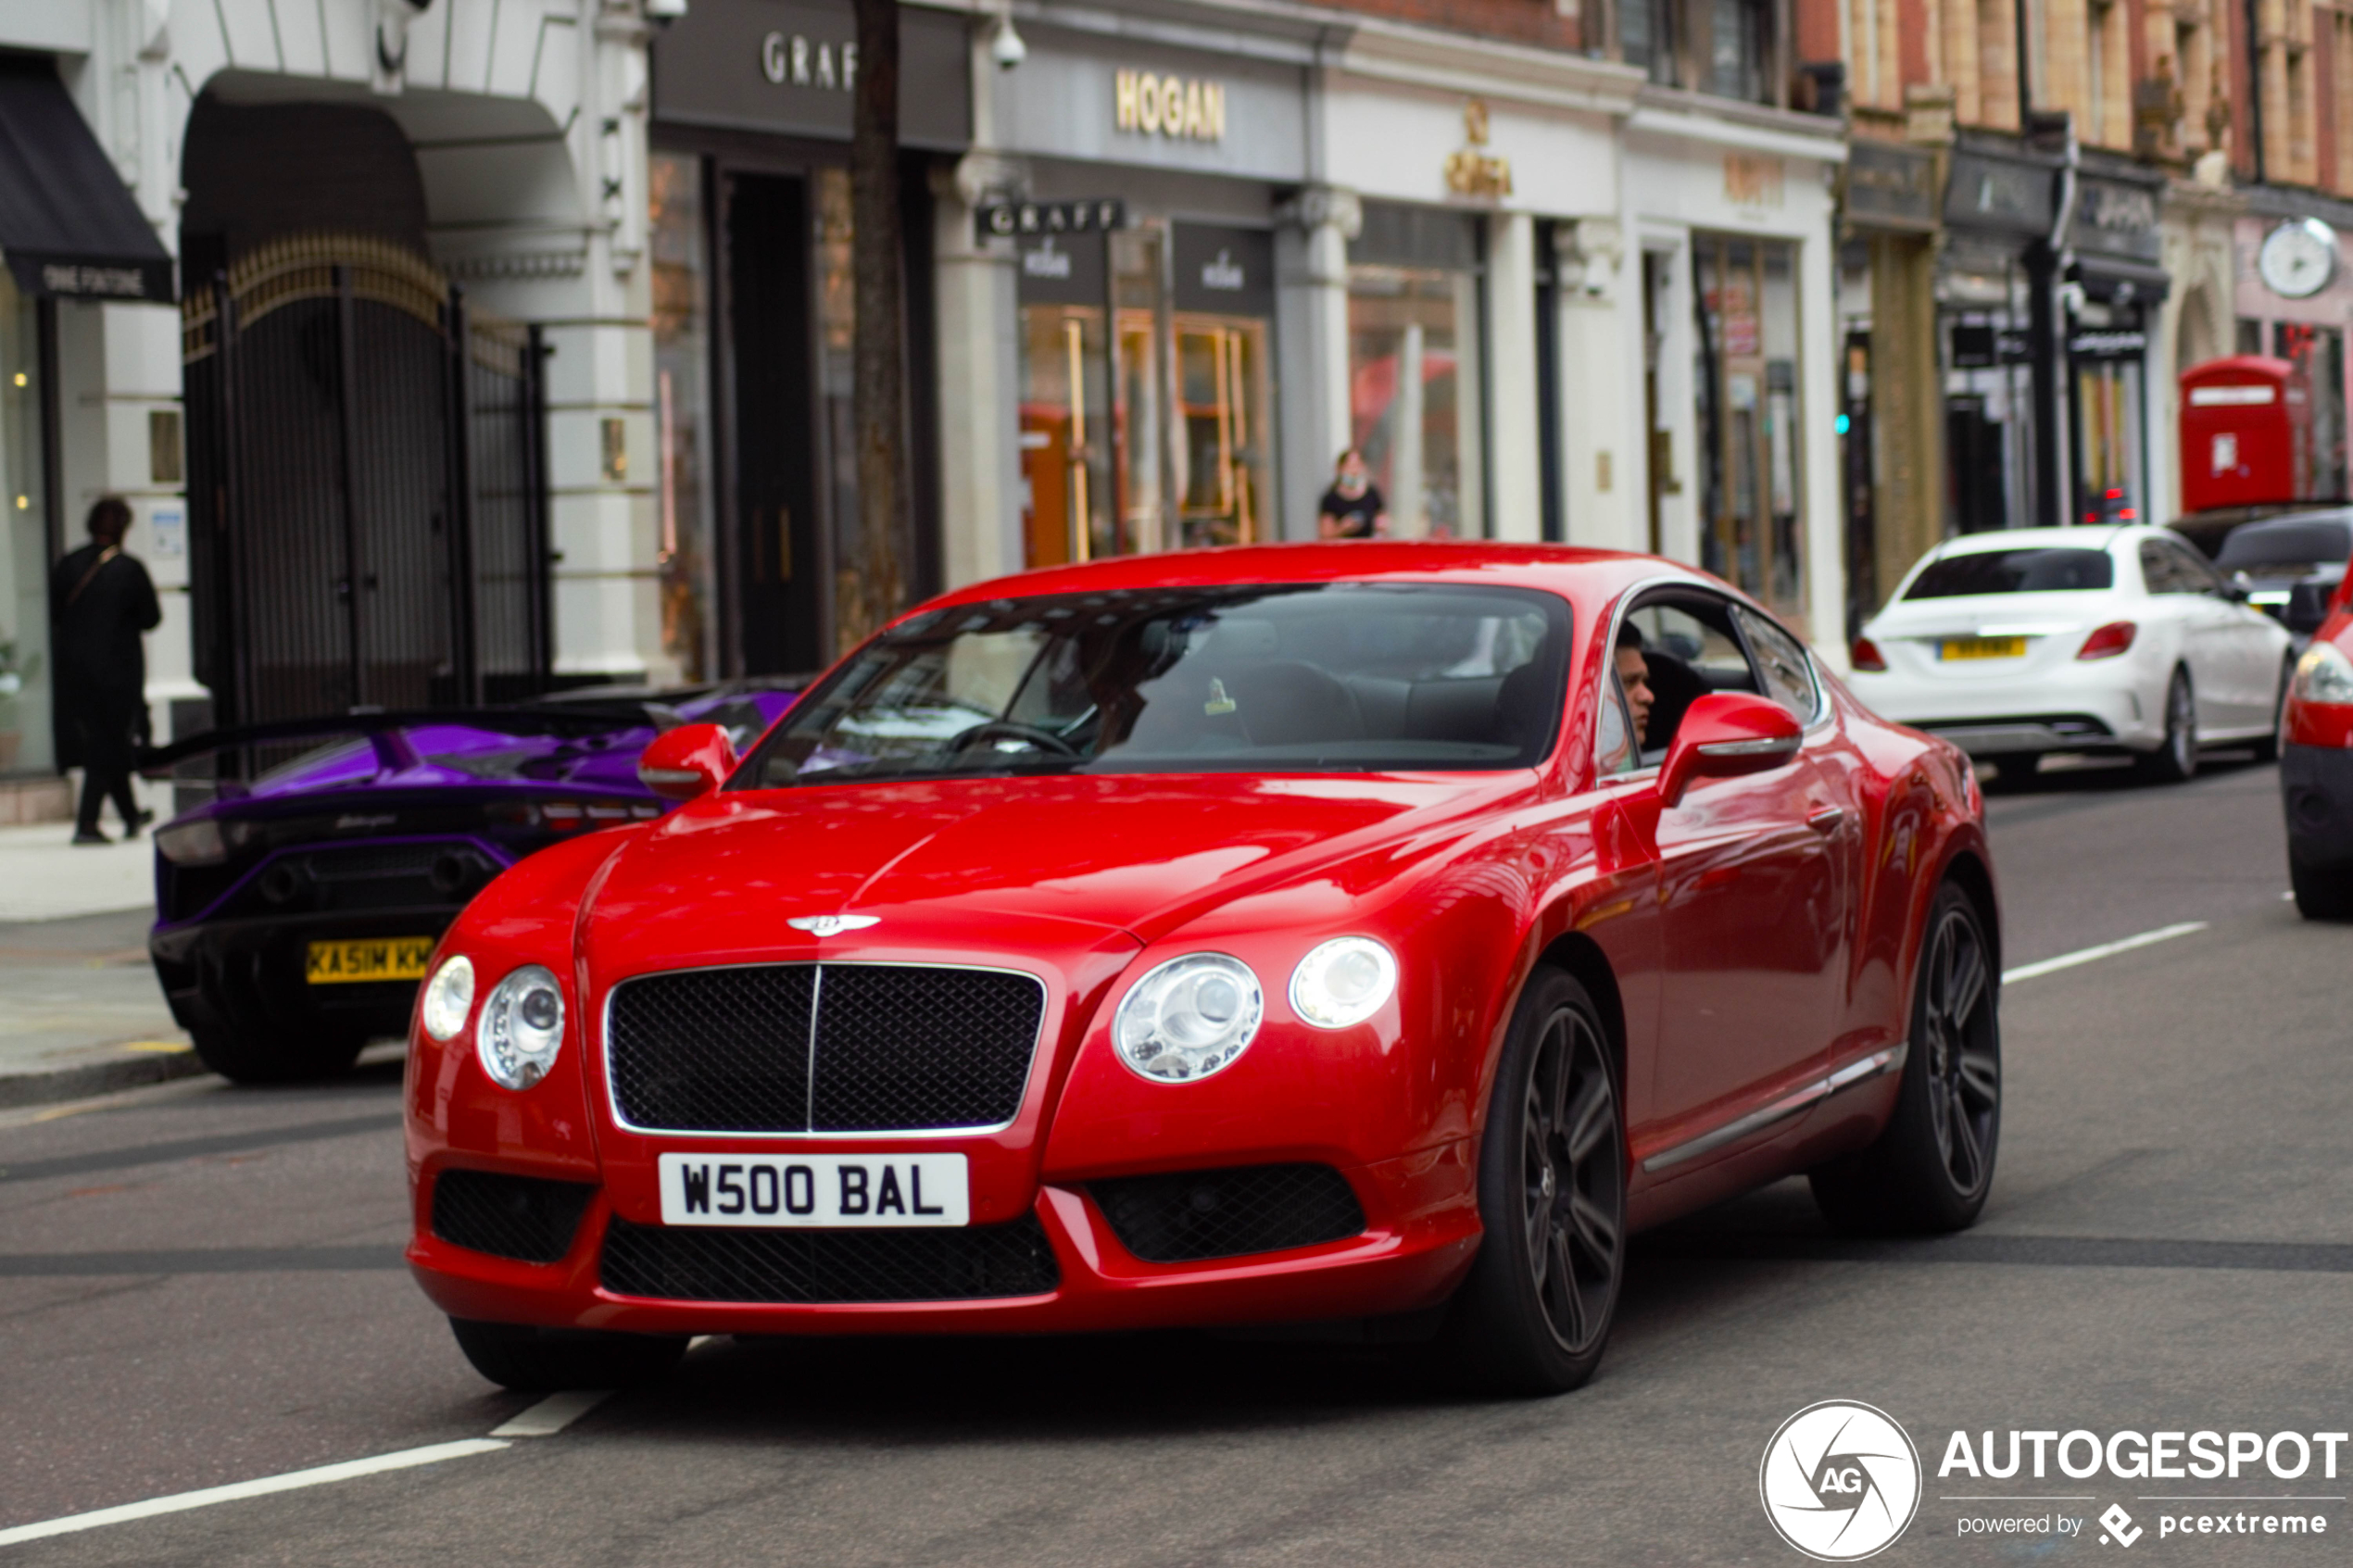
(519, 1217)
(821, 1048)
(1195, 1214)
(808, 1267)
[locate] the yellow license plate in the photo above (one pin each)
(373, 958)
(1984, 647)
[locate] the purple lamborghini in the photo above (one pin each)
(295, 910)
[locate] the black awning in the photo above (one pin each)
(2109, 277)
(67, 225)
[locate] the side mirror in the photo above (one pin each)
(690, 760)
(1723, 735)
(2238, 588)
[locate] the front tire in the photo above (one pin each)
(2322, 893)
(1535, 1313)
(1933, 1163)
(2175, 761)
(541, 1361)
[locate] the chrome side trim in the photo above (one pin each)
(613, 1100)
(1864, 1069)
(1763, 745)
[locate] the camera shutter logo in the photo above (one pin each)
(1840, 1481)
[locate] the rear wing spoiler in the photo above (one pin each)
(386, 730)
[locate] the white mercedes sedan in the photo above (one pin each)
(2096, 638)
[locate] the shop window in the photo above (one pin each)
(1155, 430)
(25, 742)
(1747, 300)
(681, 413)
(1415, 385)
(2107, 412)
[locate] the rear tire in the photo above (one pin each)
(260, 1056)
(2175, 761)
(543, 1360)
(1535, 1313)
(2322, 893)
(2267, 748)
(1933, 1163)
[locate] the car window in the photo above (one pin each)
(1293, 678)
(2169, 569)
(2028, 570)
(2190, 568)
(1689, 648)
(1786, 672)
(1614, 749)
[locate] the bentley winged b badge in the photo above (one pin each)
(832, 925)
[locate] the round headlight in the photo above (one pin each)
(1342, 983)
(1189, 1017)
(449, 996)
(2324, 675)
(522, 1028)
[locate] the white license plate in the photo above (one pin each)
(809, 1190)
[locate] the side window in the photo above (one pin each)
(2191, 571)
(1614, 749)
(2160, 570)
(1688, 648)
(1781, 665)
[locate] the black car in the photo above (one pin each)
(2289, 566)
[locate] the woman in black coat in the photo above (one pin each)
(101, 601)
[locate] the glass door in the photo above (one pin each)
(1065, 444)
(1223, 395)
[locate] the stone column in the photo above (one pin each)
(1516, 458)
(978, 368)
(1601, 383)
(1311, 276)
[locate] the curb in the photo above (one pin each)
(96, 1078)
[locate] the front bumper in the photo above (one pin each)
(248, 974)
(1421, 1233)
(2316, 792)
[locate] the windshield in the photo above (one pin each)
(2013, 571)
(2300, 543)
(1290, 678)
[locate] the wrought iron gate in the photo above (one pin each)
(366, 487)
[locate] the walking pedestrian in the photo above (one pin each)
(100, 600)
(1352, 508)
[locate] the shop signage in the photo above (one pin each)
(1991, 192)
(2115, 217)
(1063, 268)
(1473, 171)
(790, 67)
(1223, 270)
(1977, 346)
(1890, 187)
(2108, 345)
(1090, 215)
(1181, 108)
(1752, 179)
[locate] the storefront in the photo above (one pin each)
(2112, 309)
(2301, 314)
(751, 238)
(1993, 298)
(1149, 370)
(1890, 426)
(1737, 246)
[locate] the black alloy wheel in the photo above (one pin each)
(1535, 1313)
(1933, 1163)
(2176, 761)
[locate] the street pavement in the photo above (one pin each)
(199, 1287)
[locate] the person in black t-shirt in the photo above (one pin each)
(1352, 508)
(101, 600)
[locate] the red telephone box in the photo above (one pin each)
(2247, 433)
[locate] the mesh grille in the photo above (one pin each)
(519, 1217)
(718, 1050)
(899, 1047)
(1195, 1214)
(688, 1264)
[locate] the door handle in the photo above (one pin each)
(1827, 819)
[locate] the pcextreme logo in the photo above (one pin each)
(1840, 1481)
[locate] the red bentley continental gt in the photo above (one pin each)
(1347, 932)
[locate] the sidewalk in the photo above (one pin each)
(79, 1012)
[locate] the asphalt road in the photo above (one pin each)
(197, 1289)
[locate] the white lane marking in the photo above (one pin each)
(553, 1413)
(2105, 950)
(325, 1474)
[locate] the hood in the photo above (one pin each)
(966, 862)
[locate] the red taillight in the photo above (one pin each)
(1864, 656)
(2108, 641)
